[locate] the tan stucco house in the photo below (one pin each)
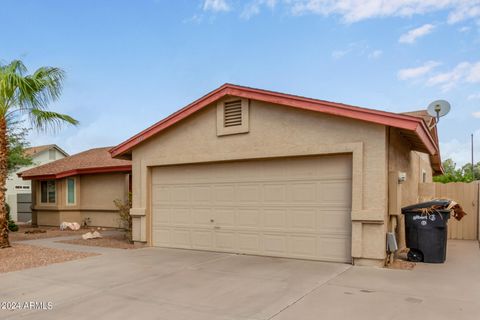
(258, 172)
(79, 188)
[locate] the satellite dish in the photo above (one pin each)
(438, 109)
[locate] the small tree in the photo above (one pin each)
(454, 174)
(124, 213)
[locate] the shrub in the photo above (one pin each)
(125, 217)
(12, 226)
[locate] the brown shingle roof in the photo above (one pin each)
(37, 149)
(91, 161)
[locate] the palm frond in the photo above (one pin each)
(30, 94)
(43, 120)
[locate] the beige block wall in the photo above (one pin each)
(277, 131)
(95, 194)
(414, 164)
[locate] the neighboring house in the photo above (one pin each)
(19, 190)
(258, 172)
(79, 188)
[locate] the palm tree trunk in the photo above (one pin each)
(4, 243)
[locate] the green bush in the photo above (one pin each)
(12, 226)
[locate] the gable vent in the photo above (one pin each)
(232, 115)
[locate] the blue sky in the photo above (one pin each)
(131, 63)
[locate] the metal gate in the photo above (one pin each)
(24, 207)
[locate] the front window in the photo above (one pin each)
(47, 191)
(70, 190)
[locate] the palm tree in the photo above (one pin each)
(26, 95)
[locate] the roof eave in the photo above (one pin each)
(405, 122)
(75, 172)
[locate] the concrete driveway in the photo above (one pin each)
(155, 283)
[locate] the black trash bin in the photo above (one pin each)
(426, 231)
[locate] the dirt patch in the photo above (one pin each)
(402, 265)
(117, 241)
(22, 256)
(31, 233)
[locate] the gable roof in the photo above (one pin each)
(413, 128)
(33, 151)
(431, 122)
(96, 160)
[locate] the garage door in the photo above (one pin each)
(287, 207)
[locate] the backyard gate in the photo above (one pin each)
(24, 204)
(467, 195)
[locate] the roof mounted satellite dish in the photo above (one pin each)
(438, 109)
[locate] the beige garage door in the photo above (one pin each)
(287, 207)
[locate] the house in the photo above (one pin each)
(18, 190)
(258, 172)
(79, 188)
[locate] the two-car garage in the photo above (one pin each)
(297, 207)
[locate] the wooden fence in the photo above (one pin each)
(467, 195)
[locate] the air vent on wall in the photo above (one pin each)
(232, 115)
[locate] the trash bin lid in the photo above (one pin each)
(439, 203)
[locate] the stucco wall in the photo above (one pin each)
(413, 163)
(95, 194)
(278, 131)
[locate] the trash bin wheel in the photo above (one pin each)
(415, 255)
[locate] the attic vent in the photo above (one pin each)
(232, 115)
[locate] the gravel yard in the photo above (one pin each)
(117, 241)
(51, 232)
(23, 256)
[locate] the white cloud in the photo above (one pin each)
(412, 35)
(216, 5)
(337, 54)
(412, 73)
(464, 29)
(254, 7)
(357, 10)
(460, 151)
(474, 96)
(476, 114)
(375, 54)
(464, 72)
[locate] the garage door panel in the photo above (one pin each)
(180, 238)
(249, 242)
(225, 241)
(181, 216)
(335, 193)
(303, 246)
(249, 193)
(275, 218)
(202, 239)
(301, 220)
(274, 193)
(247, 218)
(291, 207)
(329, 247)
(201, 194)
(302, 192)
(224, 193)
(201, 217)
(275, 244)
(161, 236)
